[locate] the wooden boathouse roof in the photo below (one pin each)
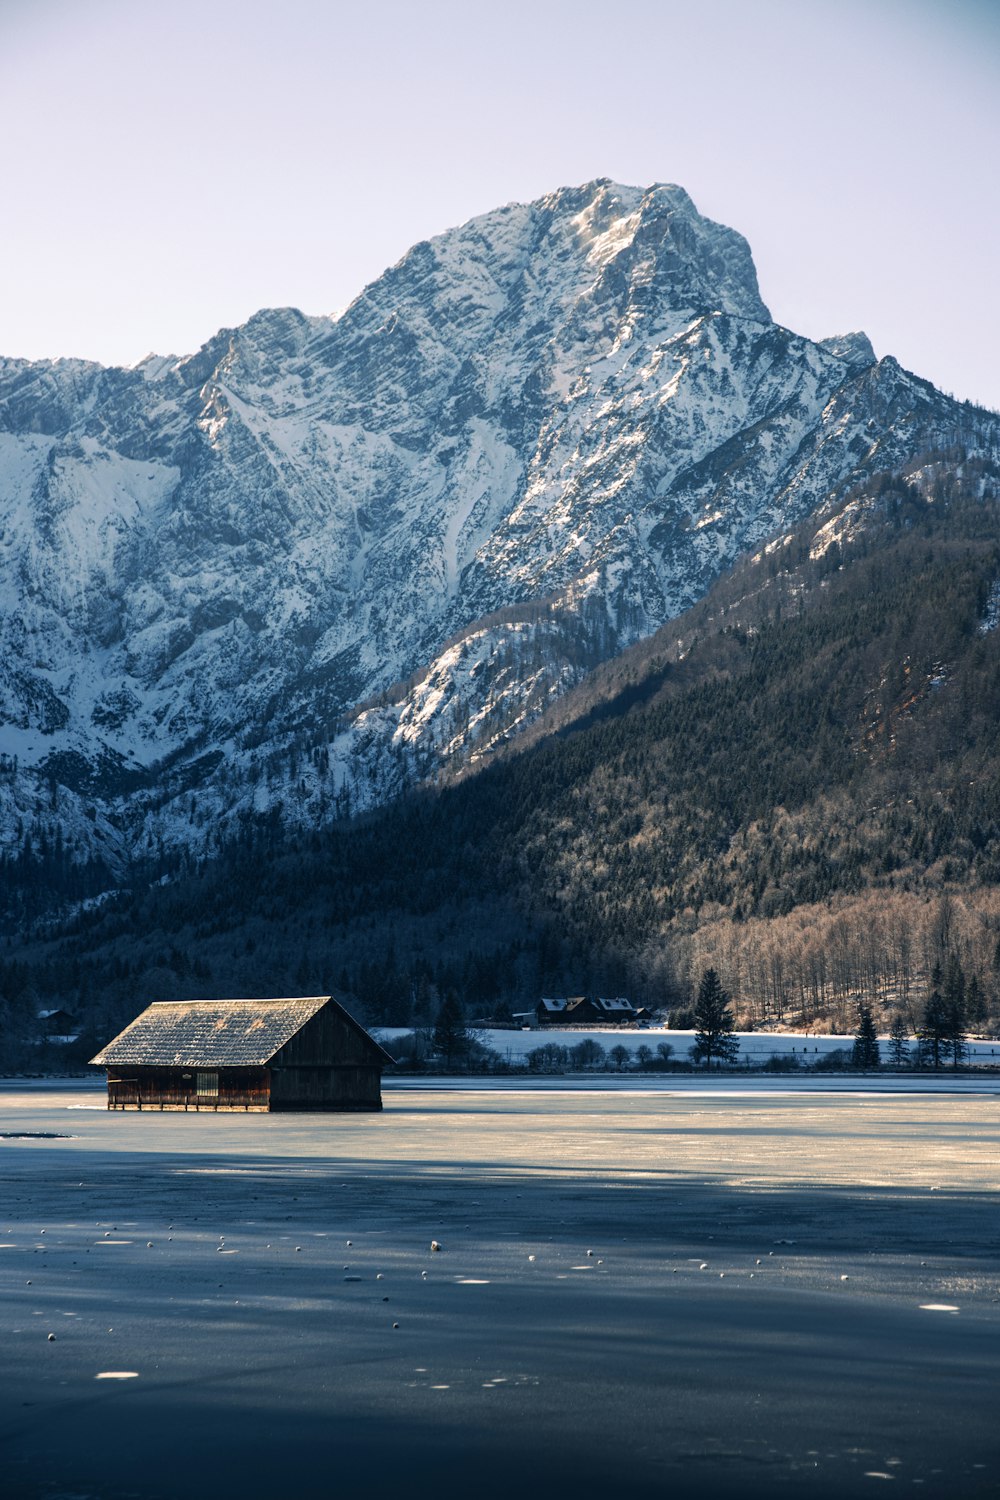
(217, 1033)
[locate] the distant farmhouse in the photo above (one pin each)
(244, 1055)
(58, 1027)
(580, 1010)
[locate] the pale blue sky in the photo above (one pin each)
(170, 167)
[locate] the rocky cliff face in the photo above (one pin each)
(322, 559)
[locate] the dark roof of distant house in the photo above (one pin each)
(618, 1007)
(216, 1033)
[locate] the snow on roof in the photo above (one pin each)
(619, 1004)
(210, 1033)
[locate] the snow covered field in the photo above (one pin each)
(756, 1047)
(717, 1291)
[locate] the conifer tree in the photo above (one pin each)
(954, 999)
(713, 1023)
(975, 1001)
(932, 1034)
(866, 1053)
(899, 1039)
(956, 1031)
(451, 1038)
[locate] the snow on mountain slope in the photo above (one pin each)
(214, 569)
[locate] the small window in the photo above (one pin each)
(207, 1085)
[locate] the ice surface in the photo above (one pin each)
(479, 1372)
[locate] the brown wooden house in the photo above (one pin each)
(244, 1055)
(581, 1010)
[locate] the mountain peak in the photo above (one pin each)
(855, 349)
(657, 237)
(576, 407)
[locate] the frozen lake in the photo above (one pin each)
(755, 1289)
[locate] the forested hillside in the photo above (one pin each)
(798, 782)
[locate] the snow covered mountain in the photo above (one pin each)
(324, 558)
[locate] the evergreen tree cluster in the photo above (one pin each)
(943, 1031)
